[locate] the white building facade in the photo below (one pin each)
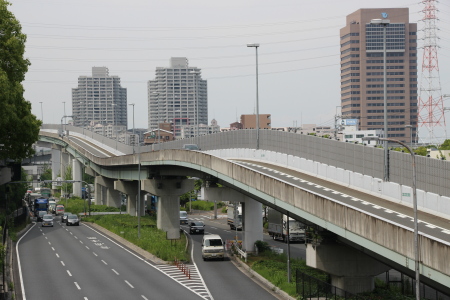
(99, 99)
(178, 95)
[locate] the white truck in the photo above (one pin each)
(278, 227)
(234, 219)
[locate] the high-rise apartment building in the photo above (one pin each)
(177, 95)
(99, 99)
(362, 71)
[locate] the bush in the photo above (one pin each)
(262, 246)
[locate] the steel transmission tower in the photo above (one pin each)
(431, 105)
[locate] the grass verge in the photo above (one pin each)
(152, 239)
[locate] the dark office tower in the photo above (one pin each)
(362, 71)
(99, 99)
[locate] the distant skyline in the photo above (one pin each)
(299, 43)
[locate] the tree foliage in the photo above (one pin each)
(19, 129)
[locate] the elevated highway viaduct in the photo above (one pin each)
(357, 234)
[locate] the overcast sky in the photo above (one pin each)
(299, 47)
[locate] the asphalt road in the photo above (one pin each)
(77, 262)
(80, 262)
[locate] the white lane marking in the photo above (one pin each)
(49, 243)
(446, 231)
(43, 233)
(377, 207)
(75, 237)
(53, 249)
(143, 297)
(68, 272)
(81, 242)
(18, 262)
(85, 298)
(388, 211)
(129, 284)
(198, 277)
(94, 253)
(117, 273)
(78, 287)
(104, 262)
(87, 247)
(67, 229)
(46, 238)
(57, 255)
(63, 263)
(71, 233)
(431, 226)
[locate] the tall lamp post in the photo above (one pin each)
(133, 122)
(115, 123)
(254, 45)
(196, 100)
(384, 23)
(416, 228)
(410, 134)
(42, 113)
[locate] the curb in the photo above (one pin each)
(147, 255)
(261, 281)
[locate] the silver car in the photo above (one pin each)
(72, 220)
(47, 220)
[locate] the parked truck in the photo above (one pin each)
(234, 218)
(278, 227)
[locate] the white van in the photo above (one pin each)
(183, 217)
(213, 247)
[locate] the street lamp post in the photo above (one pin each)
(384, 23)
(114, 105)
(254, 45)
(410, 134)
(133, 122)
(416, 227)
(42, 113)
(196, 101)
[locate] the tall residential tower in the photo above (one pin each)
(362, 71)
(99, 99)
(178, 95)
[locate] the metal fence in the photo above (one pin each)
(312, 288)
(433, 175)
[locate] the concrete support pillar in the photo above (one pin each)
(351, 270)
(56, 166)
(65, 162)
(131, 189)
(169, 192)
(107, 194)
(252, 223)
(77, 175)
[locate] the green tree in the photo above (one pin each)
(445, 145)
(19, 129)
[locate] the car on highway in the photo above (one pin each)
(213, 247)
(193, 147)
(196, 227)
(59, 209)
(183, 217)
(64, 217)
(40, 215)
(47, 220)
(72, 220)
